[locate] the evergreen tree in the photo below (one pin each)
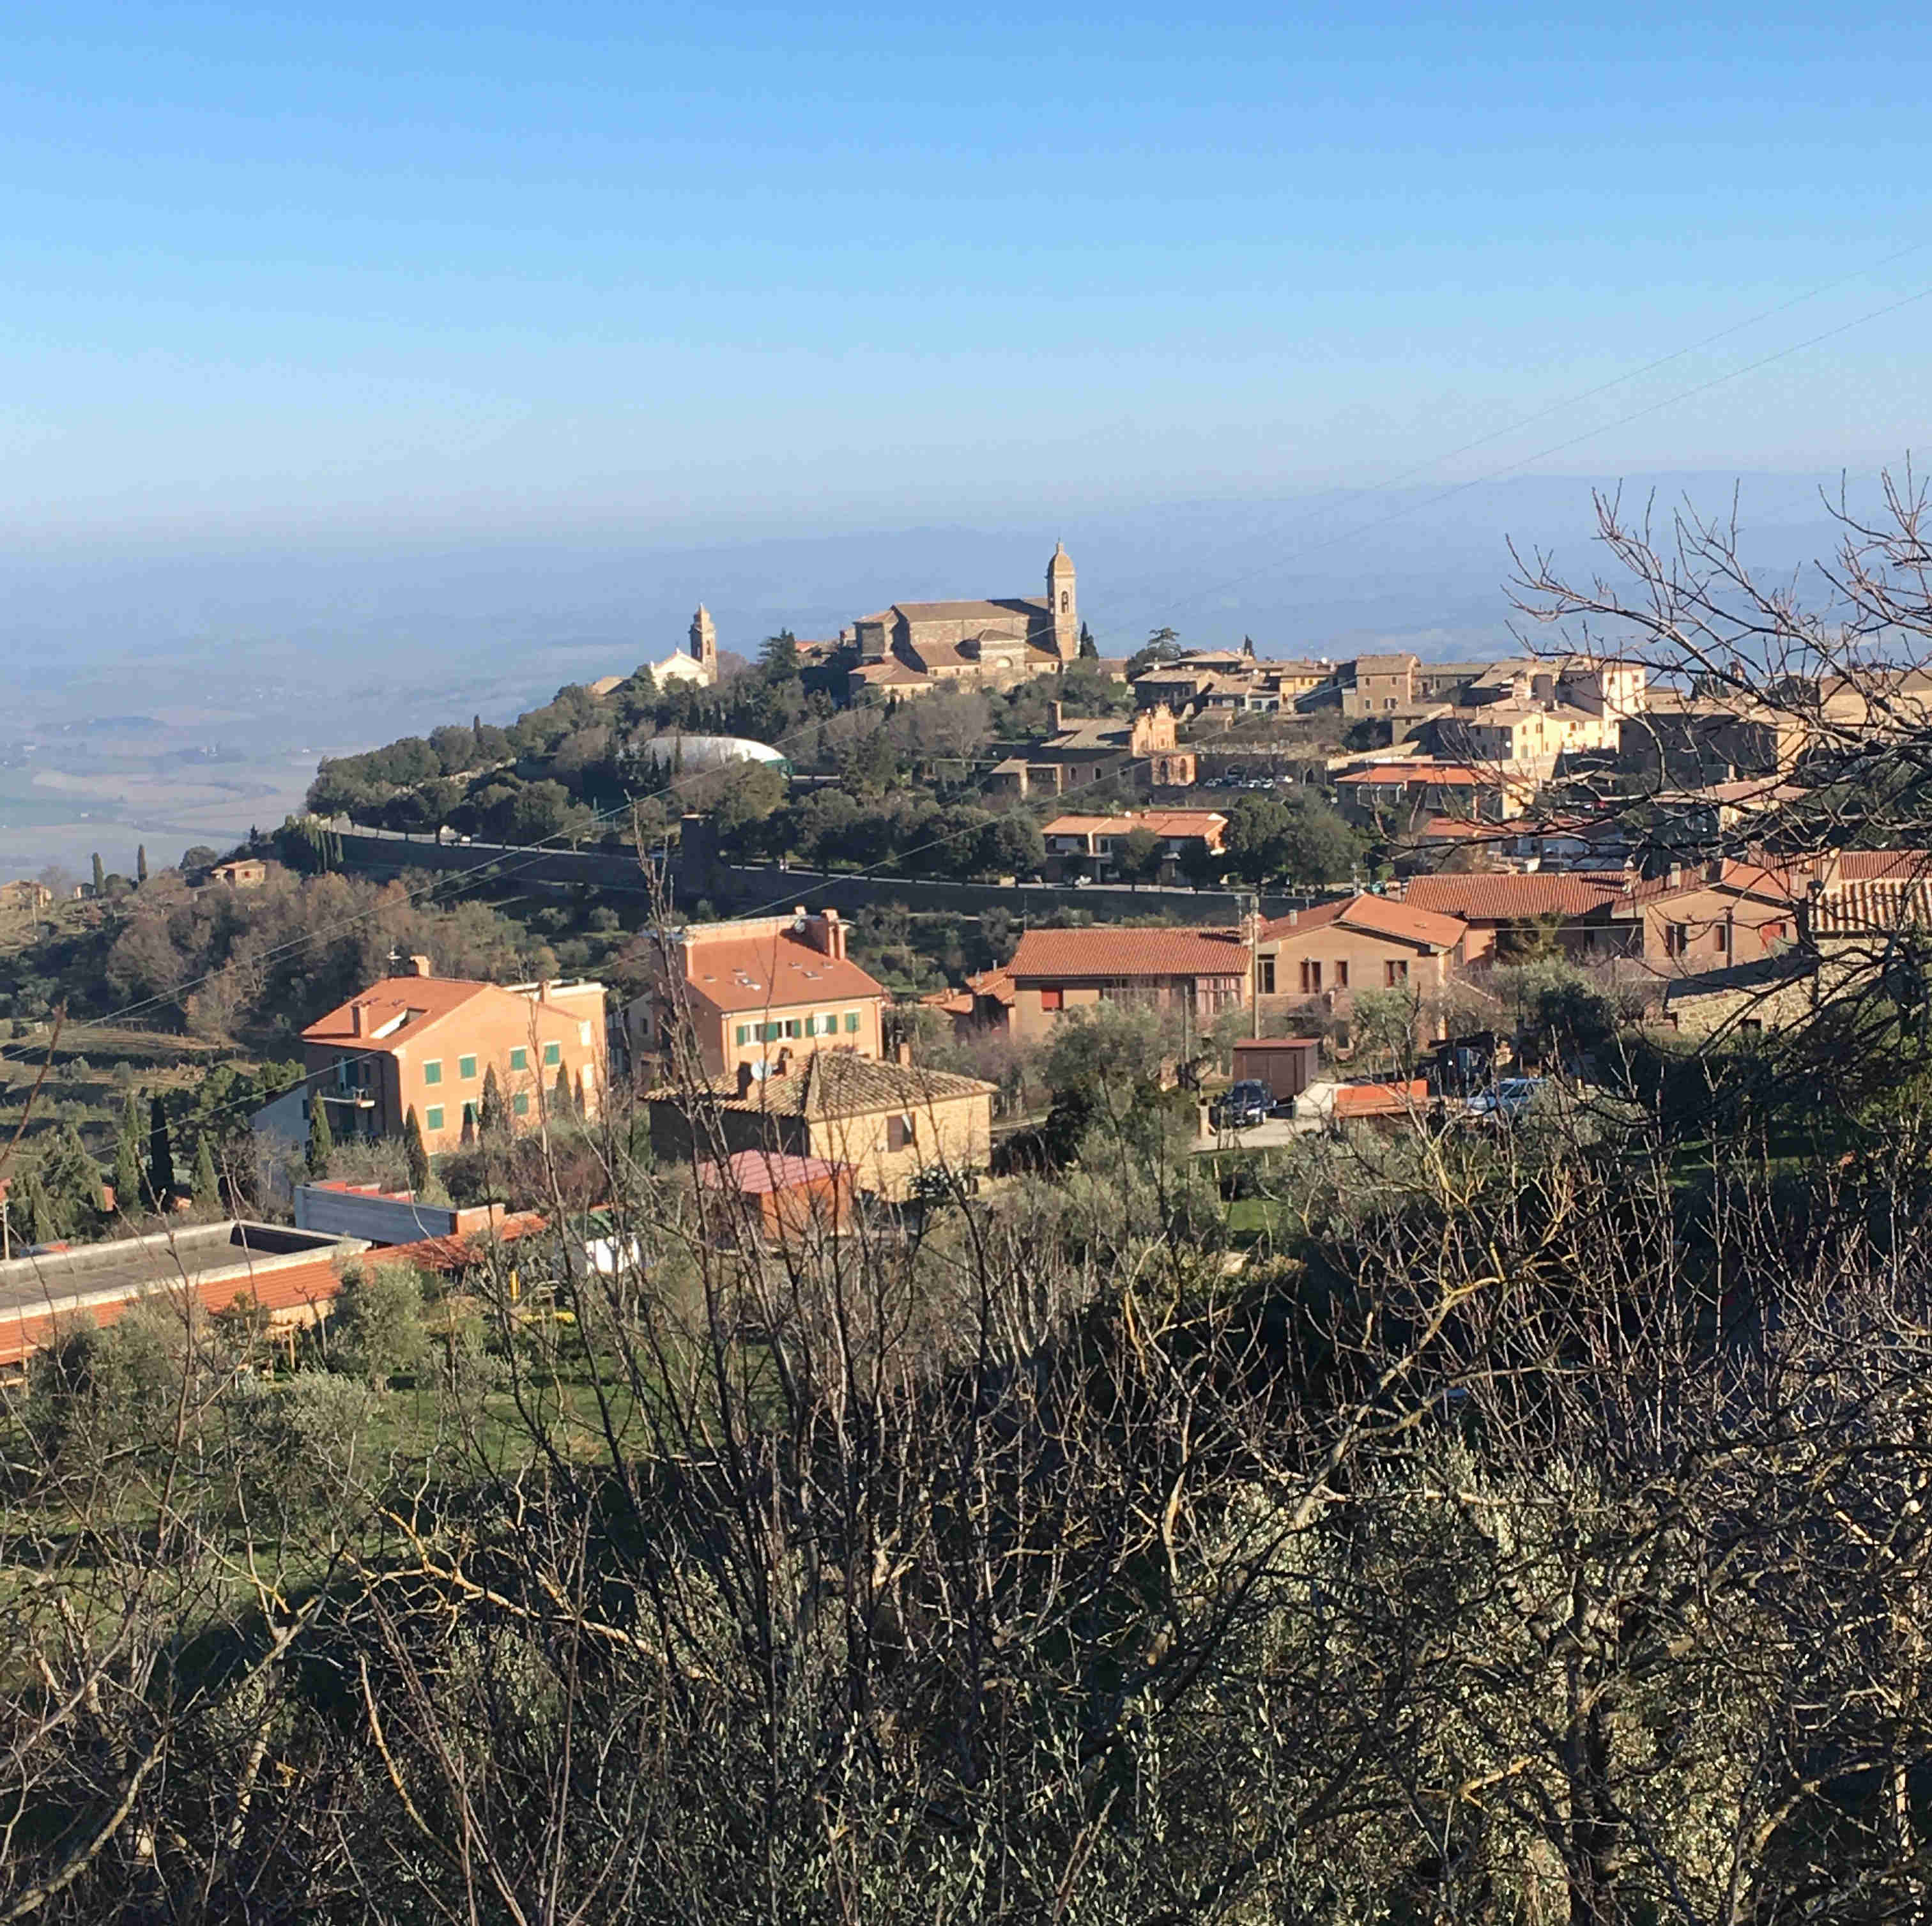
(321, 1139)
(73, 1181)
(469, 1126)
(491, 1118)
(563, 1098)
(207, 1185)
(1089, 649)
(416, 1151)
(128, 1181)
(160, 1156)
(141, 863)
(100, 874)
(30, 1212)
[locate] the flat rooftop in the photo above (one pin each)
(194, 1255)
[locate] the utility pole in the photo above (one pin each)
(1254, 922)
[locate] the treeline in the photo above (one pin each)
(260, 964)
(569, 769)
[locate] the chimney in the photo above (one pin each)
(1674, 875)
(1059, 717)
(745, 1080)
(835, 934)
(782, 1068)
(355, 1019)
(543, 989)
(904, 1055)
(419, 966)
(1713, 870)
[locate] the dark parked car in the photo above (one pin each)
(1241, 1105)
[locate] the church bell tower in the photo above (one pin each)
(704, 641)
(1061, 603)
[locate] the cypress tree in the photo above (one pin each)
(491, 1118)
(563, 1102)
(1089, 651)
(141, 863)
(321, 1138)
(128, 1180)
(469, 1126)
(418, 1154)
(100, 874)
(207, 1185)
(160, 1156)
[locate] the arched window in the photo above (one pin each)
(1066, 602)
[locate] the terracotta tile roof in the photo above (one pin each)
(446, 1254)
(1454, 775)
(422, 1000)
(759, 1173)
(1754, 879)
(781, 972)
(1161, 822)
(1112, 953)
(1512, 898)
(838, 1083)
(1877, 907)
(891, 670)
(968, 611)
(1376, 916)
(1869, 866)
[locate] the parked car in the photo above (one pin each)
(1241, 1105)
(1510, 1099)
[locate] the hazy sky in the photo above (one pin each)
(591, 265)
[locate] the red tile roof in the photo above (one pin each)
(759, 1173)
(777, 972)
(1512, 898)
(1457, 776)
(1873, 865)
(458, 1252)
(423, 1000)
(1376, 916)
(1108, 951)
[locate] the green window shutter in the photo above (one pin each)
(433, 1071)
(744, 1032)
(520, 1058)
(432, 1118)
(466, 1068)
(791, 1026)
(771, 1035)
(520, 1104)
(851, 1022)
(553, 1054)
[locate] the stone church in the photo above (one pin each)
(914, 647)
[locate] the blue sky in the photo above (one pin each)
(734, 268)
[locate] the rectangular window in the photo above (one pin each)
(744, 1032)
(1676, 939)
(1311, 976)
(1264, 971)
(432, 1118)
(1395, 974)
(851, 1022)
(433, 1071)
(553, 1055)
(466, 1068)
(791, 1026)
(521, 1103)
(1052, 997)
(520, 1058)
(1341, 975)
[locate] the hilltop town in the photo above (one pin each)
(1221, 1086)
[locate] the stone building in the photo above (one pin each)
(1143, 748)
(913, 647)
